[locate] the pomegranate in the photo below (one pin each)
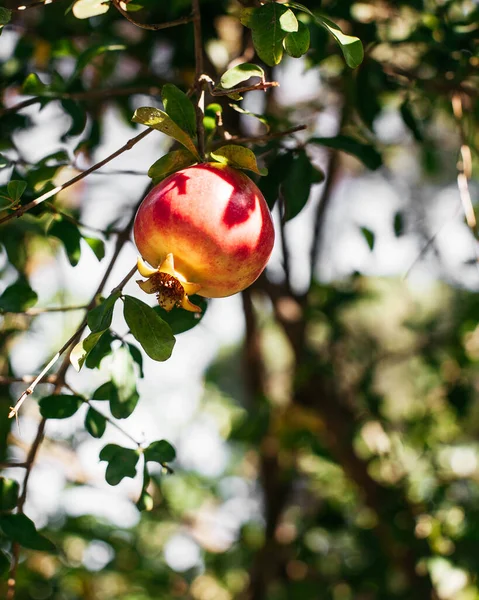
(205, 229)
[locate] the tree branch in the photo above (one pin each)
(199, 82)
(128, 146)
(150, 26)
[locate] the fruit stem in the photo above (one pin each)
(199, 84)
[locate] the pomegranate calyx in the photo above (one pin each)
(170, 287)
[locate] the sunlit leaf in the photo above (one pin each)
(101, 316)
(238, 157)
(180, 108)
(84, 9)
(270, 24)
(81, 351)
(157, 119)
(18, 297)
(239, 74)
(9, 489)
(297, 43)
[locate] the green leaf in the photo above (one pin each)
(97, 245)
(136, 354)
(69, 234)
(294, 174)
(81, 351)
(368, 236)
(239, 74)
(5, 16)
(149, 329)
(22, 530)
(100, 317)
(350, 45)
(366, 153)
(101, 349)
(297, 43)
(157, 119)
(160, 452)
(170, 163)
(33, 85)
(84, 9)
(78, 117)
(9, 489)
(144, 502)
(121, 462)
(180, 108)
(15, 189)
(183, 320)
(124, 398)
(95, 423)
(59, 406)
(238, 157)
(104, 392)
(4, 559)
(18, 297)
(270, 24)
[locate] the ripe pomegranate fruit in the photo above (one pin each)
(205, 229)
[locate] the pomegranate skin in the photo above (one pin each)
(215, 222)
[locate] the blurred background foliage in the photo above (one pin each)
(347, 414)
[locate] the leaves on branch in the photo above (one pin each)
(157, 119)
(269, 25)
(148, 329)
(366, 153)
(238, 157)
(180, 108)
(239, 74)
(350, 45)
(59, 406)
(81, 351)
(121, 462)
(22, 530)
(170, 163)
(100, 317)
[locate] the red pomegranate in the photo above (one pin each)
(206, 229)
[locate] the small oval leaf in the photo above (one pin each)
(59, 406)
(100, 317)
(238, 157)
(239, 74)
(297, 43)
(95, 423)
(160, 452)
(84, 9)
(157, 119)
(170, 163)
(179, 107)
(149, 329)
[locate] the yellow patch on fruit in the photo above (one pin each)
(170, 287)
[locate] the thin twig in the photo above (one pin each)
(199, 81)
(87, 95)
(261, 138)
(33, 312)
(265, 85)
(150, 26)
(21, 211)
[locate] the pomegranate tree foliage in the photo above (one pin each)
(352, 420)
